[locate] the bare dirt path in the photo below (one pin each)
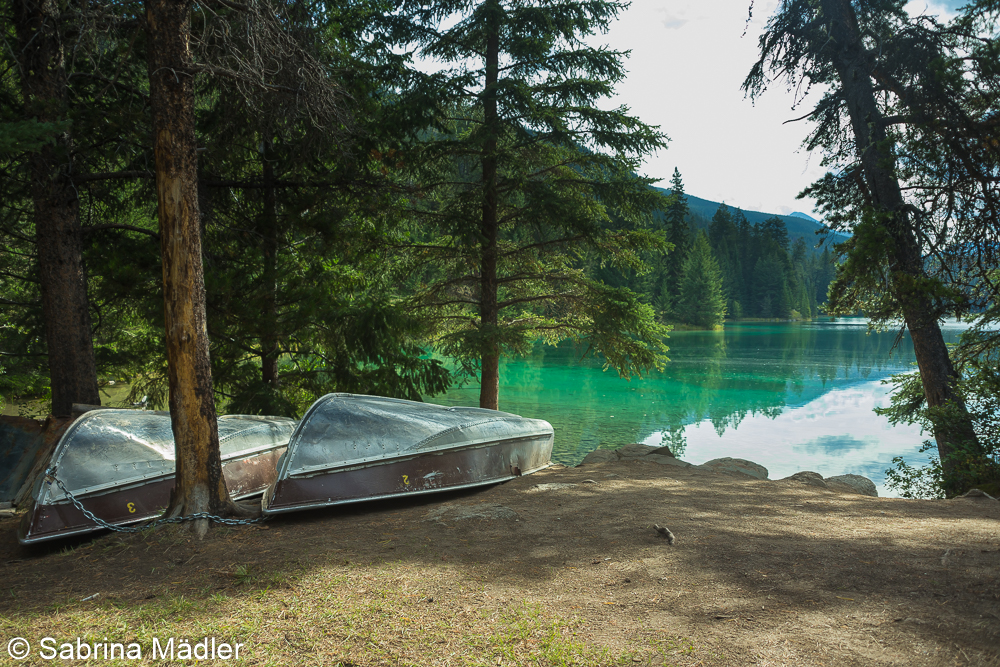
(762, 573)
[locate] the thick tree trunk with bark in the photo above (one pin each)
(65, 308)
(269, 343)
(854, 66)
(200, 486)
(489, 391)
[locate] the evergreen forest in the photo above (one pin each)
(341, 209)
(726, 268)
(347, 219)
(245, 205)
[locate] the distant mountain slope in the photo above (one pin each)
(799, 224)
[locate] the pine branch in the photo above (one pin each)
(97, 228)
(543, 297)
(8, 302)
(114, 175)
(22, 278)
(112, 83)
(235, 6)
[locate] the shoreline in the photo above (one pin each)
(844, 483)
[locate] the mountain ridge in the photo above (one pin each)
(799, 225)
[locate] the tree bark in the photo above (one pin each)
(199, 486)
(489, 391)
(854, 67)
(59, 241)
(269, 343)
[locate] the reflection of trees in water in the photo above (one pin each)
(722, 377)
(768, 367)
(675, 440)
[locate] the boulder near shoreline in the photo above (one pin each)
(663, 456)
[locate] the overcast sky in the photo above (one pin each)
(687, 64)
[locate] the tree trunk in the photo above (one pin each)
(853, 64)
(269, 343)
(489, 392)
(200, 486)
(65, 308)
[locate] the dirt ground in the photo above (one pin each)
(762, 572)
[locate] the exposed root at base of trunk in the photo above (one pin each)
(244, 510)
(199, 527)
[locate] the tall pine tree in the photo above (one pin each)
(675, 224)
(908, 123)
(514, 199)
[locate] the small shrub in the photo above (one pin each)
(911, 482)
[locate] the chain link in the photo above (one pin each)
(50, 475)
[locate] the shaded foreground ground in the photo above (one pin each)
(561, 567)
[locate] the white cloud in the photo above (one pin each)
(777, 441)
(687, 79)
(674, 19)
(942, 10)
(672, 23)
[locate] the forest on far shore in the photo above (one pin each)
(729, 269)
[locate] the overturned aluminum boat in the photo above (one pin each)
(120, 465)
(351, 448)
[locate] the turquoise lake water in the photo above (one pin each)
(789, 396)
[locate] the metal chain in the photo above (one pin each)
(50, 475)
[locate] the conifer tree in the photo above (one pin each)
(200, 486)
(805, 300)
(723, 234)
(514, 198)
(302, 220)
(908, 103)
(769, 287)
(44, 32)
(679, 235)
(702, 301)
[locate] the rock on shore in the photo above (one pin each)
(738, 466)
(841, 483)
(731, 466)
(636, 452)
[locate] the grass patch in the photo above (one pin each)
(338, 613)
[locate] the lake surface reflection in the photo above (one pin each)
(790, 396)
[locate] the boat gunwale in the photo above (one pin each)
(134, 482)
(359, 464)
(96, 527)
(384, 496)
